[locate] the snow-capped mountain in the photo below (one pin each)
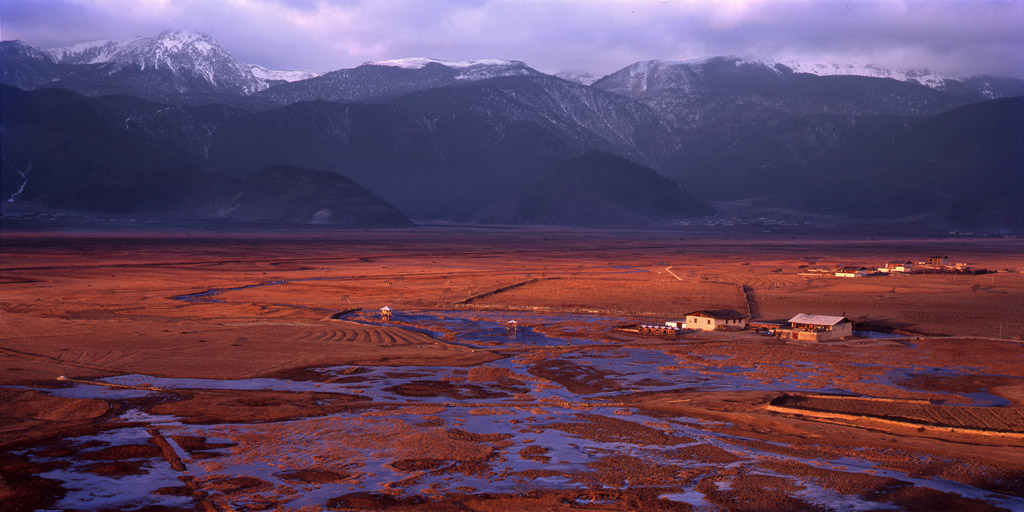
(184, 53)
(693, 74)
(173, 66)
(376, 80)
(734, 90)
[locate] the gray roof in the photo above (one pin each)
(720, 314)
(804, 318)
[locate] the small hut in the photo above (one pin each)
(511, 326)
(385, 313)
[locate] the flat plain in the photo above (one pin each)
(195, 370)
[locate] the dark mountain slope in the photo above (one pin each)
(375, 82)
(302, 196)
(59, 150)
(963, 168)
(24, 66)
(181, 129)
(427, 167)
(785, 160)
(587, 118)
(595, 189)
(65, 152)
(448, 151)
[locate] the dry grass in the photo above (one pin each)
(984, 305)
(639, 294)
(89, 305)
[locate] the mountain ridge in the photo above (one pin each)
(199, 69)
(444, 139)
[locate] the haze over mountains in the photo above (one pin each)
(173, 126)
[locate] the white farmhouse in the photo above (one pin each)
(716, 320)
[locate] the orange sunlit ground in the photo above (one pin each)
(252, 371)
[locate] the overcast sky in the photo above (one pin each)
(596, 36)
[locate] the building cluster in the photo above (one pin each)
(929, 265)
(804, 327)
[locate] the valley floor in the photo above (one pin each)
(226, 370)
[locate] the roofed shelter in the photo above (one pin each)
(716, 320)
(817, 327)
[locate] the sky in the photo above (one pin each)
(957, 37)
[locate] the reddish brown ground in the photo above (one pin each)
(89, 305)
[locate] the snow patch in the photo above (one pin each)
(641, 70)
(280, 75)
(24, 177)
(922, 76)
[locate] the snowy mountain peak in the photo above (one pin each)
(184, 39)
(152, 51)
(186, 54)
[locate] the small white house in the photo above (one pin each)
(852, 271)
(676, 324)
(716, 320)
